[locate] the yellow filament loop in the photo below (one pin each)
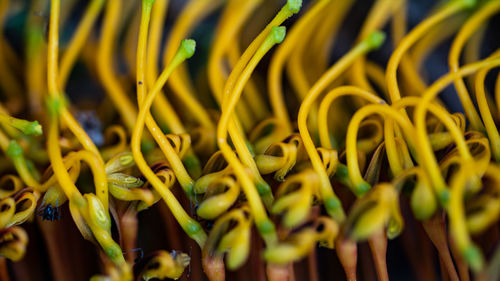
(161, 107)
(57, 109)
(359, 184)
(173, 158)
(190, 226)
(105, 64)
(238, 138)
(281, 55)
(78, 40)
(379, 14)
(180, 83)
(467, 30)
(264, 224)
(391, 72)
(426, 155)
(329, 198)
(326, 102)
(484, 110)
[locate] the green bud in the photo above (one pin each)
(266, 227)
(14, 149)
(54, 105)
(294, 5)
(192, 228)
(444, 197)
(278, 34)
(148, 2)
(362, 188)
(97, 213)
(375, 39)
(29, 128)
(469, 3)
(474, 258)
(187, 48)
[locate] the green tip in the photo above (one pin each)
(469, 3)
(192, 228)
(444, 197)
(294, 5)
(113, 251)
(148, 2)
(474, 258)
(262, 187)
(332, 203)
(375, 39)
(54, 105)
(126, 159)
(266, 227)
(362, 188)
(188, 46)
(278, 34)
(33, 128)
(14, 149)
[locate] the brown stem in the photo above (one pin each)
(347, 251)
(312, 263)
(4, 271)
(277, 272)
(463, 268)
(417, 247)
(444, 274)
(128, 227)
(378, 246)
(435, 229)
(213, 266)
(58, 256)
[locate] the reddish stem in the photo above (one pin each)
(378, 246)
(435, 229)
(4, 271)
(347, 251)
(213, 266)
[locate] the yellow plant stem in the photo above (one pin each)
(484, 110)
(228, 27)
(251, 99)
(57, 110)
(35, 63)
(283, 52)
(456, 214)
(376, 74)
(194, 12)
(398, 27)
(263, 223)
(439, 34)
(8, 82)
(468, 29)
(161, 107)
(321, 44)
(236, 135)
(190, 226)
(105, 63)
(78, 40)
(332, 203)
(290, 8)
(409, 40)
(296, 70)
(379, 14)
(173, 158)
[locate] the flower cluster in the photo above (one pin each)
(266, 153)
